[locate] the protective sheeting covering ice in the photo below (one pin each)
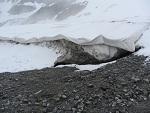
(101, 31)
(74, 51)
(97, 50)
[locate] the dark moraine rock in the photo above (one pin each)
(75, 54)
(60, 9)
(45, 91)
(20, 9)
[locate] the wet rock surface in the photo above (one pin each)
(121, 87)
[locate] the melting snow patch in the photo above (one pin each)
(16, 58)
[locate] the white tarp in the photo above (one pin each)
(101, 47)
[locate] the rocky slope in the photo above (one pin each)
(121, 87)
(31, 11)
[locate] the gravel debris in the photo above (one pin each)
(120, 87)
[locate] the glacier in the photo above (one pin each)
(93, 35)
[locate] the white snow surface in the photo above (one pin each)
(115, 19)
(145, 42)
(15, 58)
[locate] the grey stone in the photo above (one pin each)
(55, 110)
(146, 80)
(90, 85)
(77, 97)
(63, 97)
